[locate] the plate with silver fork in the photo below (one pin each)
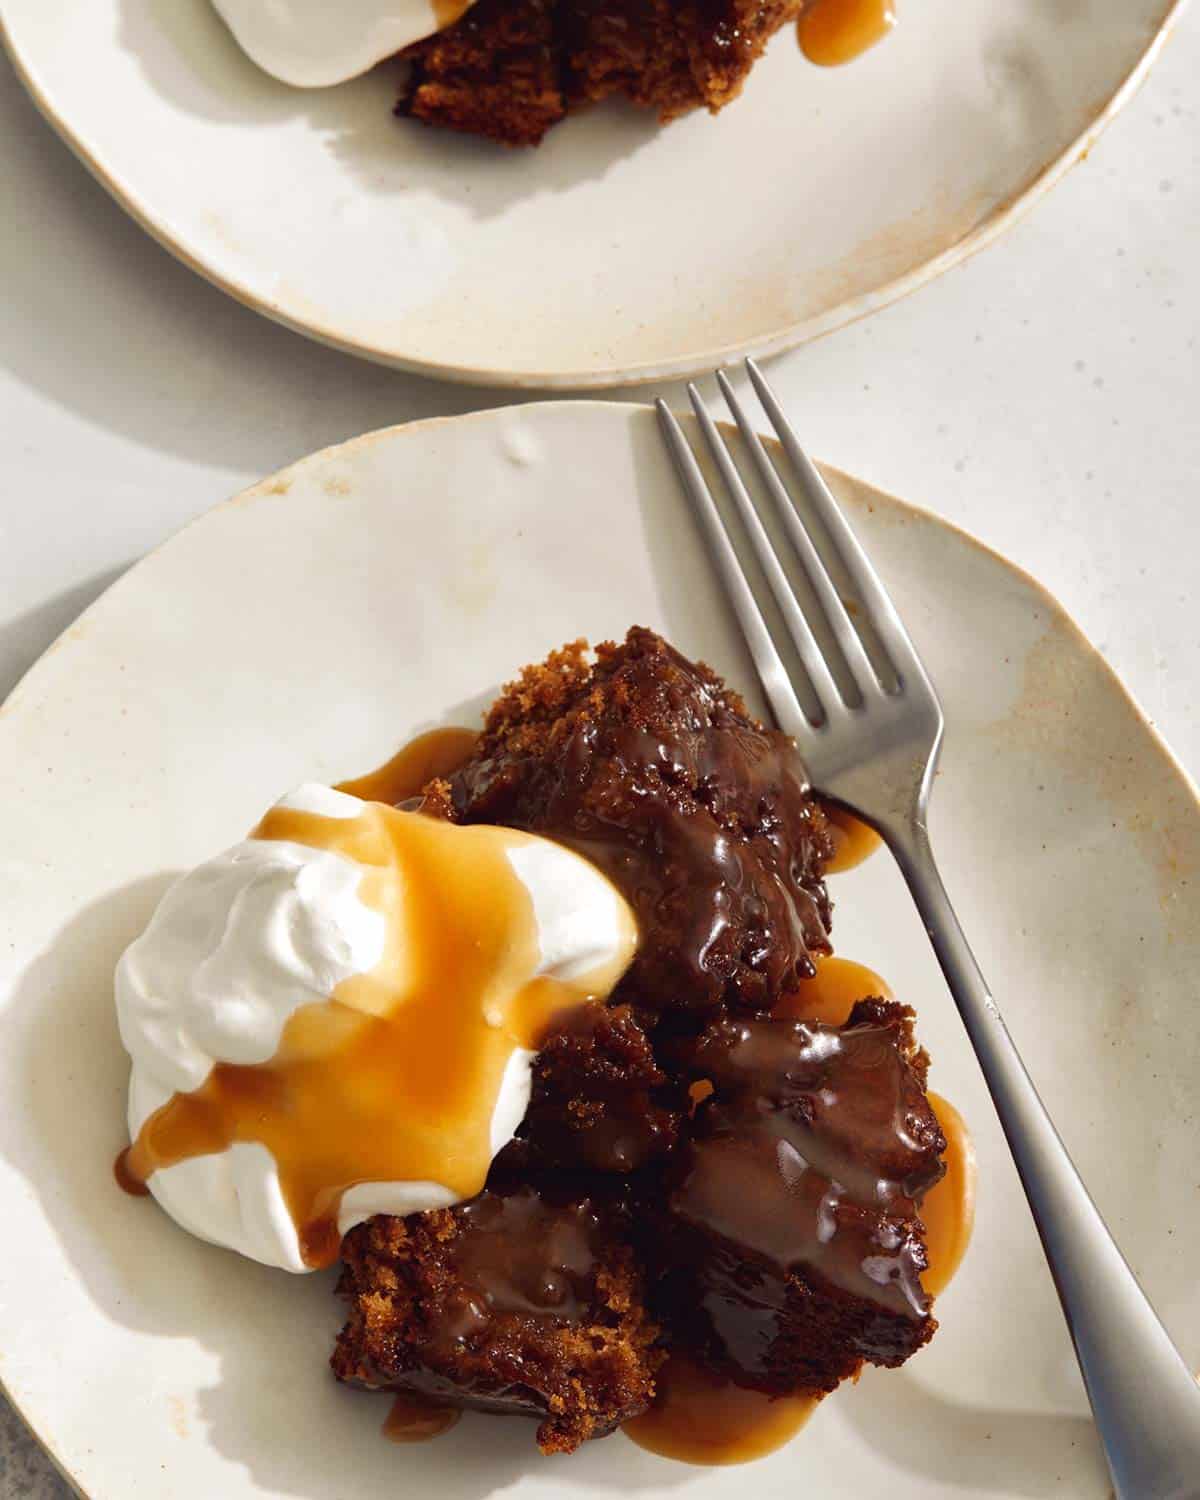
(302, 631)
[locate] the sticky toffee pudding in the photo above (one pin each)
(748, 1111)
(730, 1188)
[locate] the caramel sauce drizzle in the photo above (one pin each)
(699, 1419)
(437, 753)
(832, 993)
(948, 1209)
(396, 1079)
(446, 12)
(832, 32)
(853, 840)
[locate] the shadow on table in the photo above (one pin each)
(23, 639)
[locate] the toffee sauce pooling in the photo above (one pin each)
(416, 1419)
(832, 32)
(948, 1209)
(437, 753)
(853, 840)
(698, 1418)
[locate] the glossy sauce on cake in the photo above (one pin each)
(648, 766)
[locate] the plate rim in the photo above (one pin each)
(1000, 218)
(632, 410)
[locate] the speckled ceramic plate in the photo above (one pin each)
(302, 631)
(618, 251)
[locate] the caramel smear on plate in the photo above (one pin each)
(396, 1078)
(413, 1419)
(832, 32)
(700, 1419)
(838, 985)
(948, 1209)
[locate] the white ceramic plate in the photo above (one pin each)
(618, 251)
(305, 629)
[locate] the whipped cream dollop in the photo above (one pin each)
(249, 938)
(316, 43)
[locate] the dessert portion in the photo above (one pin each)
(510, 69)
(527, 1301)
(792, 1238)
(552, 1055)
(769, 1169)
(338, 1017)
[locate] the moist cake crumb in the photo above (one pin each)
(511, 69)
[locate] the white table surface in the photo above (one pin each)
(1046, 396)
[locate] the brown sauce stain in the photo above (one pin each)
(413, 1419)
(832, 32)
(832, 993)
(853, 840)
(948, 1208)
(697, 1418)
(438, 753)
(397, 1078)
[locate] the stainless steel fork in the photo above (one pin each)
(869, 726)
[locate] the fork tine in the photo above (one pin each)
(798, 629)
(858, 663)
(893, 638)
(780, 693)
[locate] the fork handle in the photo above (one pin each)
(1145, 1400)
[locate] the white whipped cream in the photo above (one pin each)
(245, 939)
(315, 43)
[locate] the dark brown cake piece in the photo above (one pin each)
(631, 48)
(649, 766)
(510, 69)
(524, 1301)
(600, 1102)
(496, 72)
(791, 1246)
